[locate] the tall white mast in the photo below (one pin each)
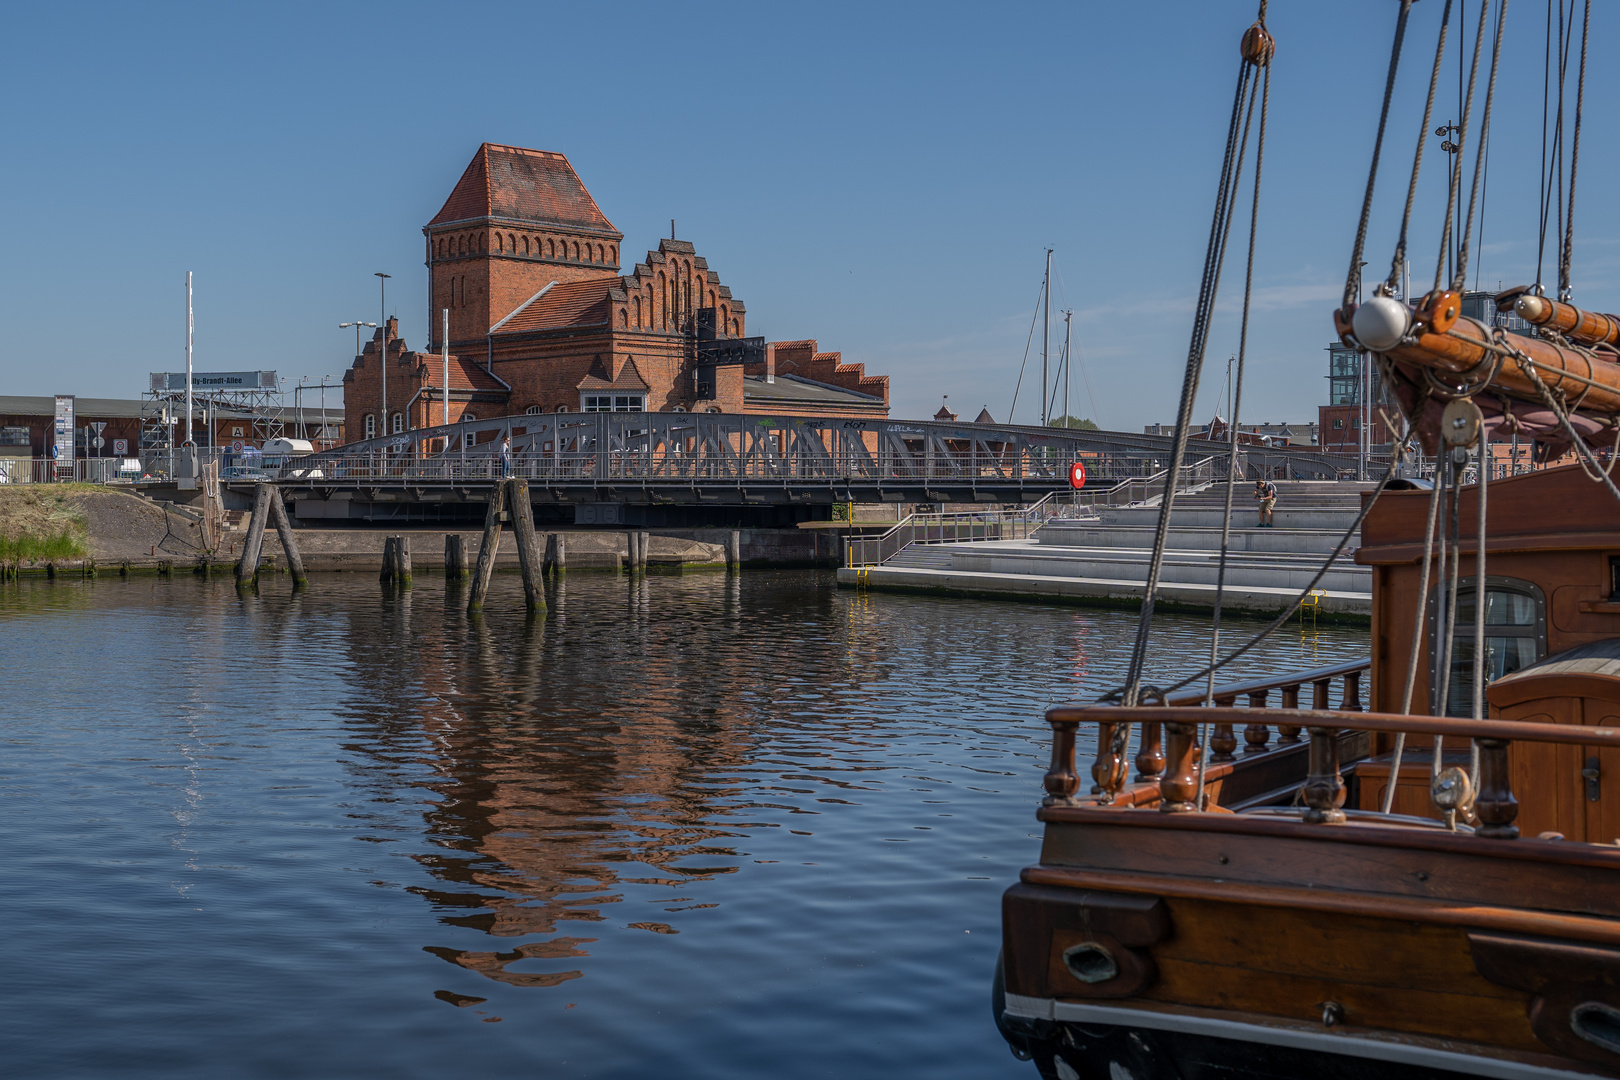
(1068, 362)
(1046, 336)
(191, 326)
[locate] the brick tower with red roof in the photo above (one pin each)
(516, 220)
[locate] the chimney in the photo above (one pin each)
(770, 362)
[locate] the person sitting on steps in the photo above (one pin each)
(1266, 492)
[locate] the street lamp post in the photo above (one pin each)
(344, 326)
(382, 348)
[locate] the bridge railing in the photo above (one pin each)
(1021, 523)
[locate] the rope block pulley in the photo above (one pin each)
(1258, 45)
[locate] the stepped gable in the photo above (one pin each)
(678, 260)
(510, 183)
(801, 358)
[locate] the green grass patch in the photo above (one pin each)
(37, 524)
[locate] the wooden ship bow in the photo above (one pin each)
(1402, 867)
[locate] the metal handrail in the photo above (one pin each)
(932, 527)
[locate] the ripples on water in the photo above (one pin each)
(686, 827)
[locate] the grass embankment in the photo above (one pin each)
(38, 525)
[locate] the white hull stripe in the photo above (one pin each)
(1295, 1037)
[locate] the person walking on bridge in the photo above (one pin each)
(1266, 492)
(506, 457)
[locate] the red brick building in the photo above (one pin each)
(541, 320)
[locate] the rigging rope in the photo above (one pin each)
(1209, 287)
(1459, 281)
(1462, 143)
(1033, 319)
(1416, 651)
(1574, 163)
(1352, 281)
(1399, 261)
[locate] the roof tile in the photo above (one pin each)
(522, 185)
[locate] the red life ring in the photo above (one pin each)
(1077, 475)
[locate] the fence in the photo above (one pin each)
(1019, 524)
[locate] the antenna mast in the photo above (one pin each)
(1046, 341)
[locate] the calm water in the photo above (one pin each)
(692, 827)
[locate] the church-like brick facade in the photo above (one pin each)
(541, 320)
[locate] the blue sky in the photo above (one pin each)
(884, 178)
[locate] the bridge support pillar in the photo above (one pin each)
(289, 543)
(529, 557)
(455, 557)
(487, 550)
(247, 569)
(556, 562)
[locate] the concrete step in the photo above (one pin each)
(1244, 515)
(933, 556)
(1140, 537)
(1254, 599)
(1242, 570)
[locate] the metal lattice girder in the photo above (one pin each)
(582, 456)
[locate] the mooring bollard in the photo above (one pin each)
(386, 574)
(529, 557)
(733, 551)
(487, 550)
(247, 568)
(289, 543)
(402, 561)
(455, 557)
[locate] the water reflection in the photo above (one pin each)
(691, 825)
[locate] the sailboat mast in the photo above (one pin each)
(1046, 341)
(1068, 362)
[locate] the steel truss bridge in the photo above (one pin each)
(696, 460)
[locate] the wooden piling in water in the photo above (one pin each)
(529, 557)
(402, 561)
(386, 574)
(486, 551)
(556, 554)
(289, 543)
(733, 551)
(247, 569)
(455, 557)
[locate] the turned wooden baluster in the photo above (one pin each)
(1178, 787)
(1352, 691)
(1256, 735)
(1324, 788)
(1288, 734)
(1110, 769)
(1150, 754)
(1319, 693)
(1062, 782)
(1494, 803)
(1222, 741)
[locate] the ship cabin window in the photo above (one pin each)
(1515, 636)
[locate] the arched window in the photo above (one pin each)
(725, 315)
(512, 239)
(712, 409)
(663, 296)
(551, 248)
(613, 253)
(711, 298)
(371, 425)
(678, 408)
(736, 328)
(576, 251)
(468, 418)
(399, 423)
(562, 408)
(1515, 636)
(637, 301)
(532, 410)
(624, 318)
(499, 240)
(525, 245)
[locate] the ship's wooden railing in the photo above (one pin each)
(1324, 789)
(1257, 733)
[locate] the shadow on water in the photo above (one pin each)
(696, 825)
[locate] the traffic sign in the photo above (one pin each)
(237, 445)
(120, 447)
(98, 442)
(1077, 475)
